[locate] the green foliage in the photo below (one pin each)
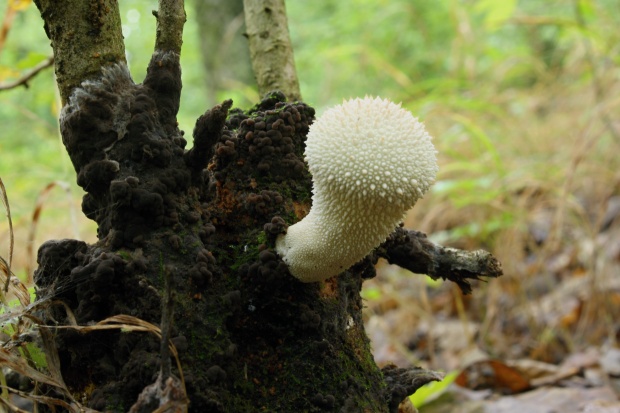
(432, 390)
(30, 351)
(495, 12)
(33, 353)
(371, 294)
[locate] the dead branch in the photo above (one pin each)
(402, 382)
(412, 250)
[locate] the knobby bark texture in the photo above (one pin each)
(194, 230)
(270, 47)
(414, 251)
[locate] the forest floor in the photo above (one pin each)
(542, 338)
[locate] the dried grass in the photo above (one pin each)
(530, 174)
(17, 318)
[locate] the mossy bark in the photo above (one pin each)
(85, 35)
(250, 337)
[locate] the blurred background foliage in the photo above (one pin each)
(520, 96)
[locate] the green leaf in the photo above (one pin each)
(371, 293)
(432, 390)
(31, 60)
(434, 283)
(37, 356)
(496, 12)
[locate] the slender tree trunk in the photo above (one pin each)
(192, 232)
(270, 47)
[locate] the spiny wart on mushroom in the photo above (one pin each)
(370, 161)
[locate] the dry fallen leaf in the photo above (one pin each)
(493, 374)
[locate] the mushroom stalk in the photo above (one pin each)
(370, 161)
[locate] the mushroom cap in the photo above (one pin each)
(370, 160)
(371, 149)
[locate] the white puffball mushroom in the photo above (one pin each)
(370, 161)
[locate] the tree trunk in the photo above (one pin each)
(194, 231)
(270, 47)
(85, 36)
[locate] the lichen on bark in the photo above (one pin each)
(85, 35)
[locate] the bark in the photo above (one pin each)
(170, 22)
(270, 47)
(414, 251)
(191, 232)
(85, 35)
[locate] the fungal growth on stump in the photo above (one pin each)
(370, 161)
(200, 233)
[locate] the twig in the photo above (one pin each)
(23, 81)
(412, 250)
(401, 382)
